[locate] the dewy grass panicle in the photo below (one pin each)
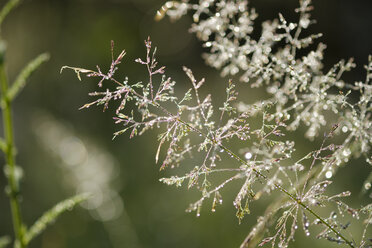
(301, 95)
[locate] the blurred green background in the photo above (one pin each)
(63, 150)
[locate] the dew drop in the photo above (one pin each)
(168, 5)
(248, 155)
(304, 23)
(334, 216)
(367, 186)
(346, 152)
(344, 129)
(328, 174)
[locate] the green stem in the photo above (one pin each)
(13, 184)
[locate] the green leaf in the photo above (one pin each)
(7, 8)
(50, 216)
(4, 241)
(20, 81)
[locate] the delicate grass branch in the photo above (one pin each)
(301, 95)
(216, 143)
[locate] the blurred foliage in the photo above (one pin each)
(78, 32)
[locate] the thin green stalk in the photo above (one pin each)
(13, 184)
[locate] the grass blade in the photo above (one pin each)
(50, 216)
(11, 4)
(20, 81)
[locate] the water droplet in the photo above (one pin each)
(304, 23)
(367, 186)
(344, 129)
(168, 5)
(208, 44)
(328, 174)
(248, 155)
(346, 152)
(291, 26)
